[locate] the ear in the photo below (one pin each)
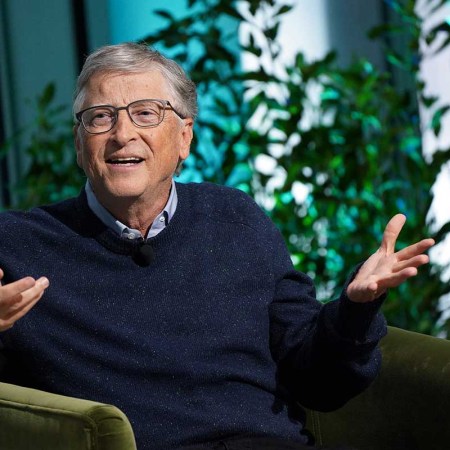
(187, 134)
(77, 142)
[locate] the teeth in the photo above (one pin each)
(125, 160)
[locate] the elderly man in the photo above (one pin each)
(178, 302)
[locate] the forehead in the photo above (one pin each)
(119, 89)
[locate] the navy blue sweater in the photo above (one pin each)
(218, 337)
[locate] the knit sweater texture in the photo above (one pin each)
(218, 337)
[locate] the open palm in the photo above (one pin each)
(387, 268)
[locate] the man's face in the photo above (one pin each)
(129, 162)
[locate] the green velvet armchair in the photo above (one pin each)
(405, 408)
(408, 405)
(36, 420)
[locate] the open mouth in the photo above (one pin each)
(124, 161)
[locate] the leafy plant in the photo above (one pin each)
(51, 171)
(345, 138)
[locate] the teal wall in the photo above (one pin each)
(36, 46)
(133, 20)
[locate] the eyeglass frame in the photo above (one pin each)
(116, 109)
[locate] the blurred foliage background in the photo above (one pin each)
(331, 152)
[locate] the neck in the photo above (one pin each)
(137, 213)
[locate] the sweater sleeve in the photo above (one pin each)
(325, 353)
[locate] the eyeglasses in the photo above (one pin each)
(145, 113)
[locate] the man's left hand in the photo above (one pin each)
(387, 268)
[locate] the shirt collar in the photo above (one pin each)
(160, 222)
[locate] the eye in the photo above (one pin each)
(146, 113)
(99, 117)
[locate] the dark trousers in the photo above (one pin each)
(260, 443)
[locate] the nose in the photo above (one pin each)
(124, 130)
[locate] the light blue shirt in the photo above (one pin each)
(160, 222)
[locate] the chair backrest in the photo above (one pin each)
(36, 420)
(408, 405)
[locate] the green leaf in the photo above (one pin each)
(272, 33)
(47, 96)
(164, 14)
(436, 121)
(284, 10)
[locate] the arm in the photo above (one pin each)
(329, 354)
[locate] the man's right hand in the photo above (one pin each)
(17, 298)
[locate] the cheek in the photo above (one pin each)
(86, 154)
(164, 144)
(160, 144)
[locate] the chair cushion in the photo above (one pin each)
(32, 419)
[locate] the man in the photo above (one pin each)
(178, 303)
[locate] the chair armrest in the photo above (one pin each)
(407, 406)
(32, 419)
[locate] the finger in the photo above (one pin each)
(23, 303)
(416, 262)
(415, 249)
(12, 303)
(395, 279)
(20, 309)
(391, 233)
(25, 296)
(17, 287)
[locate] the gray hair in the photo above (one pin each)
(138, 58)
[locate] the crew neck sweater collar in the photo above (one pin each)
(88, 224)
(160, 222)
